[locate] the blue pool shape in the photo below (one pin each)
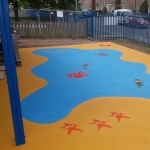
(105, 75)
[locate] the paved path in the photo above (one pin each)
(51, 42)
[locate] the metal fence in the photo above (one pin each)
(104, 27)
(46, 15)
(51, 24)
(137, 28)
(97, 26)
(28, 29)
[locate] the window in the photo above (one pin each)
(112, 1)
(123, 6)
(108, 7)
(89, 6)
(111, 8)
(123, 1)
(97, 7)
(149, 8)
(131, 7)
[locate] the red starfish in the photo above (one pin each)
(71, 127)
(118, 115)
(100, 124)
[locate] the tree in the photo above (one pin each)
(68, 4)
(144, 7)
(21, 3)
(118, 7)
(104, 9)
(54, 4)
(16, 10)
(17, 4)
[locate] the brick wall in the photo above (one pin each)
(129, 4)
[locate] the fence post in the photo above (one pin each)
(86, 25)
(73, 37)
(12, 80)
(50, 15)
(38, 16)
(92, 26)
(133, 28)
(123, 27)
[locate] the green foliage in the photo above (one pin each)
(123, 41)
(144, 7)
(93, 10)
(118, 7)
(20, 3)
(147, 48)
(37, 4)
(104, 9)
(70, 5)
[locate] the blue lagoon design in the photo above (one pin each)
(70, 84)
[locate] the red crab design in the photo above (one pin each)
(102, 54)
(80, 74)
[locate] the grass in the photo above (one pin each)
(123, 41)
(134, 45)
(147, 49)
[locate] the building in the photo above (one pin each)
(110, 4)
(86, 4)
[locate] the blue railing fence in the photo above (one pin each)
(99, 26)
(107, 27)
(104, 27)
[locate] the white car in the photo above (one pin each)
(123, 15)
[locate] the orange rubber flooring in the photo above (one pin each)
(102, 123)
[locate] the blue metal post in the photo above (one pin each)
(133, 28)
(10, 66)
(92, 26)
(123, 28)
(87, 16)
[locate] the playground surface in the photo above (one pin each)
(81, 97)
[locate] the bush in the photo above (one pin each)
(118, 7)
(144, 7)
(104, 9)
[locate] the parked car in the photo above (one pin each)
(85, 12)
(138, 22)
(123, 15)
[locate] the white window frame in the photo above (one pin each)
(148, 7)
(123, 6)
(108, 7)
(96, 6)
(123, 1)
(131, 6)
